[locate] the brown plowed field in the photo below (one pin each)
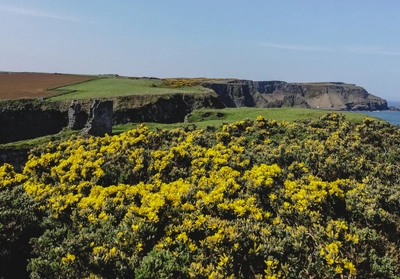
(33, 85)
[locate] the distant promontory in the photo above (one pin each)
(272, 94)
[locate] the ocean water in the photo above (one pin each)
(390, 116)
(394, 104)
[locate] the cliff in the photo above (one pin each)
(30, 118)
(329, 95)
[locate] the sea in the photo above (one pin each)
(387, 115)
(390, 116)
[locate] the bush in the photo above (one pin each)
(162, 264)
(19, 222)
(253, 199)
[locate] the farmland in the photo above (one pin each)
(33, 85)
(109, 87)
(67, 87)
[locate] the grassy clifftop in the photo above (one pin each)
(122, 86)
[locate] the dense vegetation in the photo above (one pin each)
(183, 82)
(202, 118)
(253, 199)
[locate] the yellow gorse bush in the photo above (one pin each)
(257, 199)
(182, 82)
(8, 177)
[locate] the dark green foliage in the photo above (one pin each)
(18, 224)
(252, 199)
(162, 264)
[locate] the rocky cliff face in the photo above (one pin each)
(25, 119)
(236, 93)
(330, 95)
(28, 118)
(161, 109)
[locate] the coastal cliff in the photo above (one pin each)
(30, 118)
(268, 94)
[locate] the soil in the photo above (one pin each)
(33, 85)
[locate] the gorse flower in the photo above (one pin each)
(255, 199)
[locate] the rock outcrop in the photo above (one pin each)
(236, 93)
(76, 116)
(268, 94)
(30, 118)
(162, 108)
(100, 120)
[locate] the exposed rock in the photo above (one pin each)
(15, 157)
(341, 96)
(236, 93)
(30, 118)
(161, 108)
(330, 95)
(76, 117)
(100, 119)
(186, 119)
(27, 119)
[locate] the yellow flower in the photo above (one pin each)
(139, 246)
(103, 216)
(68, 258)
(350, 266)
(339, 269)
(182, 236)
(113, 251)
(192, 247)
(223, 260)
(135, 227)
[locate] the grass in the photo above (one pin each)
(278, 114)
(201, 119)
(31, 143)
(215, 117)
(118, 86)
(121, 128)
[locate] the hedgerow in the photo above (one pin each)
(182, 82)
(253, 199)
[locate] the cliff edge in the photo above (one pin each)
(323, 95)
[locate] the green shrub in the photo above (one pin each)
(253, 199)
(162, 264)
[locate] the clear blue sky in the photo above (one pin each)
(354, 41)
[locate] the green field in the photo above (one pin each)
(278, 114)
(109, 87)
(215, 117)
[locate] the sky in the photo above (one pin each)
(355, 41)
